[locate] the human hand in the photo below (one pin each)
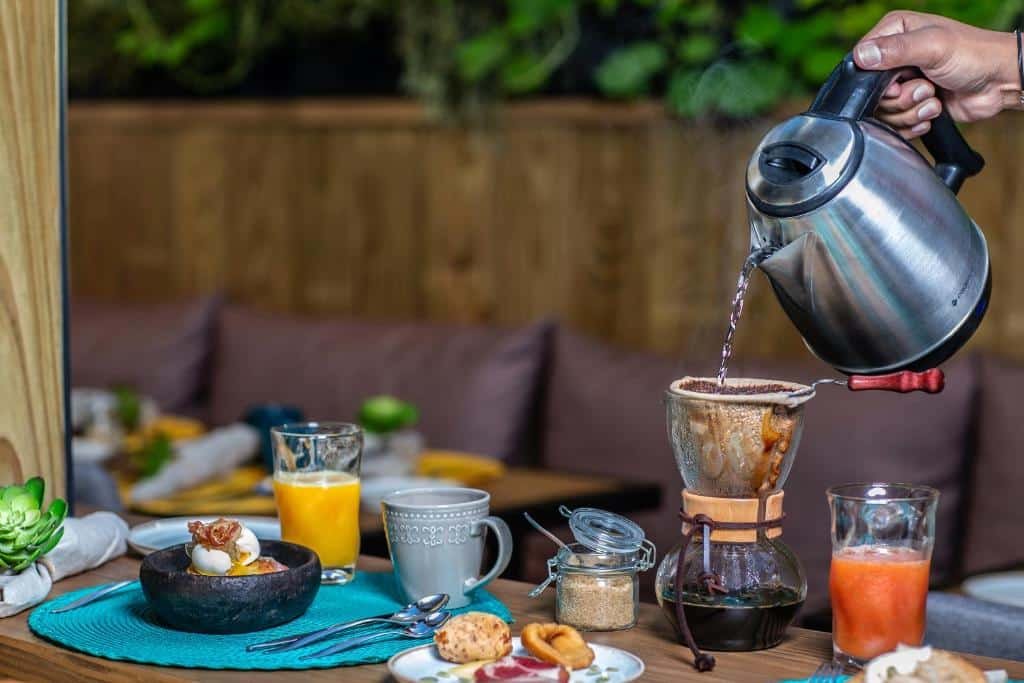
(973, 70)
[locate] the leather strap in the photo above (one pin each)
(702, 661)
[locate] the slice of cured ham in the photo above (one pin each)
(521, 670)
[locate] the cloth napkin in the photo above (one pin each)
(87, 543)
(200, 460)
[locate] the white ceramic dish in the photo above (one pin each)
(619, 666)
(1006, 588)
(163, 533)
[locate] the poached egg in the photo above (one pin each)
(216, 562)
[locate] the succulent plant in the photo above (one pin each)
(26, 530)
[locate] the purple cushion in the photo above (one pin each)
(604, 414)
(160, 350)
(474, 386)
(994, 519)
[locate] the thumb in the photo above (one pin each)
(924, 48)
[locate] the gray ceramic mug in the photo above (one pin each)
(436, 541)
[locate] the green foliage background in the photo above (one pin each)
(703, 57)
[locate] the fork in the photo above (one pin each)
(828, 672)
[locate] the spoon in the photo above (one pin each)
(536, 525)
(92, 597)
(411, 613)
(419, 629)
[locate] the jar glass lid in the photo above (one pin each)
(604, 531)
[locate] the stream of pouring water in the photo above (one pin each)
(752, 262)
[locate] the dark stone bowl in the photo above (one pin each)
(230, 604)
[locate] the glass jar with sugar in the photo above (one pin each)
(597, 578)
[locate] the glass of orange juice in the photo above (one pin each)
(316, 487)
(882, 538)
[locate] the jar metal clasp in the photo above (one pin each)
(648, 557)
(552, 575)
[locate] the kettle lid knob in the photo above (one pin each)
(802, 163)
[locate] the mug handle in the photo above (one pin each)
(504, 536)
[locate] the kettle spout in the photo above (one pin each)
(789, 270)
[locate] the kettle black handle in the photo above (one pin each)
(853, 93)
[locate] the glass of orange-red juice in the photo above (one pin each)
(882, 538)
(316, 488)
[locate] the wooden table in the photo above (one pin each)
(27, 658)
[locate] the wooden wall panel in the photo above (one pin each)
(458, 225)
(31, 346)
(198, 209)
(619, 221)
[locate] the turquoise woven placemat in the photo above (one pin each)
(122, 626)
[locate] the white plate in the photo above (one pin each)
(1006, 588)
(421, 662)
(163, 533)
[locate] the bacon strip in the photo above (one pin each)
(217, 535)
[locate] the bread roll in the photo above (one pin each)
(473, 636)
(941, 667)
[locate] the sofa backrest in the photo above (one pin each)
(160, 350)
(475, 386)
(995, 515)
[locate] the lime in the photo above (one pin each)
(383, 414)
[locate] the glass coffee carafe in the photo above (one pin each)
(738, 585)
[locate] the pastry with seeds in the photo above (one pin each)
(473, 636)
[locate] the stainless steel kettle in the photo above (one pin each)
(872, 256)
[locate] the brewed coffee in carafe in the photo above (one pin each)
(738, 586)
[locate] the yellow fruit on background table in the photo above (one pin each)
(233, 493)
(466, 468)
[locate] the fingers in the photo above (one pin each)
(925, 48)
(901, 80)
(908, 118)
(917, 131)
(907, 96)
(909, 106)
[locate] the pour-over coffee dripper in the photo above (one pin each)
(737, 440)
(737, 585)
